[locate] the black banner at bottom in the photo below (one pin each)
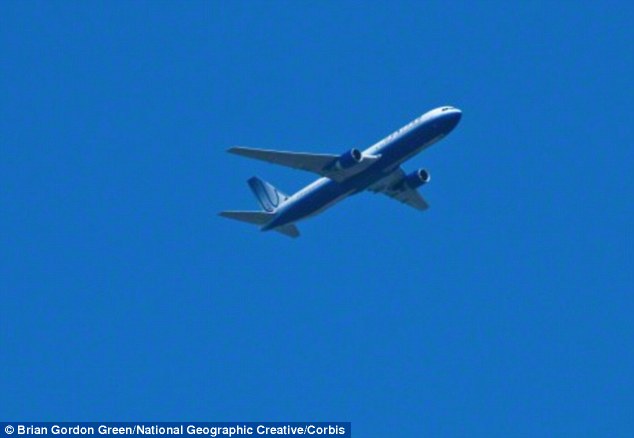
(224, 429)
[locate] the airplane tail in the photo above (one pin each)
(270, 199)
(268, 196)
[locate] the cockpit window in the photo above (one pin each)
(445, 108)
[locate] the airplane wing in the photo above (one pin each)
(392, 186)
(321, 164)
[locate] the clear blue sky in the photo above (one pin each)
(506, 309)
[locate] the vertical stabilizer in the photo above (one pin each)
(268, 196)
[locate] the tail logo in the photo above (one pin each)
(267, 195)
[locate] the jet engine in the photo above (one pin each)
(349, 159)
(417, 178)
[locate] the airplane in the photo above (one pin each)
(376, 169)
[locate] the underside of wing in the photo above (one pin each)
(316, 163)
(394, 186)
(410, 197)
(321, 164)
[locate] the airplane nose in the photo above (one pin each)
(454, 118)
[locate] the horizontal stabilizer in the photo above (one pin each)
(261, 218)
(288, 230)
(252, 217)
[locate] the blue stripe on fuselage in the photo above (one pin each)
(325, 192)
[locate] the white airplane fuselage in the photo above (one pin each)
(392, 151)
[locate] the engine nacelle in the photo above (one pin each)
(418, 178)
(349, 159)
